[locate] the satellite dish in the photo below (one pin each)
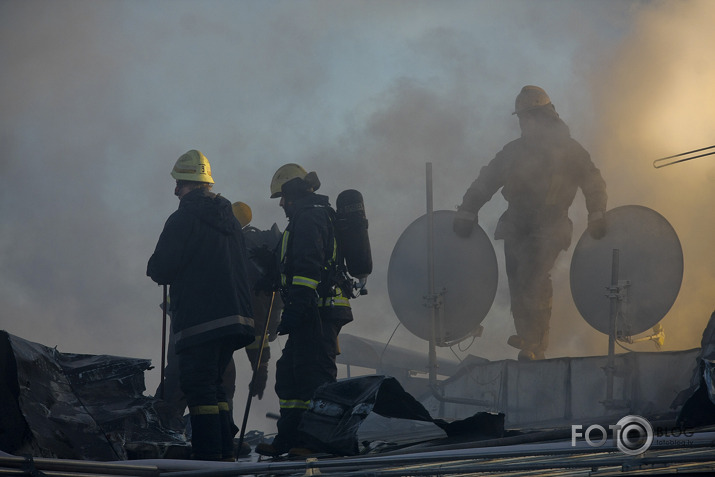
(650, 270)
(465, 279)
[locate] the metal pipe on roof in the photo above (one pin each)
(664, 161)
(69, 467)
(497, 459)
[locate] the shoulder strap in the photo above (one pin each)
(331, 239)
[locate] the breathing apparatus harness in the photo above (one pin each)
(351, 252)
(337, 281)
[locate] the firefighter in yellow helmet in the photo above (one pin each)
(315, 307)
(201, 254)
(264, 302)
(242, 212)
(173, 403)
(539, 175)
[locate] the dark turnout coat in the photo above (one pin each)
(307, 256)
(539, 177)
(202, 255)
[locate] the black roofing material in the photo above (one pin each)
(75, 406)
(339, 409)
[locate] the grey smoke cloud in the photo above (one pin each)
(658, 101)
(100, 98)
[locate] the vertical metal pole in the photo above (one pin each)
(433, 303)
(164, 305)
(613, 295)
(430, 281)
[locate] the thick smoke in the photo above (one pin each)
(658, 100)
(100, 98)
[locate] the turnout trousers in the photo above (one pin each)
(529, 259)
(174, 405)
(201, 370)
(308, 361)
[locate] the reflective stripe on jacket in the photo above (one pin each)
(308, 252)
(201, 253)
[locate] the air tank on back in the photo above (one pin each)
(351, 229)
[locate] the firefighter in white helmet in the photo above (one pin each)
(539, 175)
(201, 254)
(315, 307)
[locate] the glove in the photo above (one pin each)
(464, 223)
(290, 320)
(597, 225)
(258, 384)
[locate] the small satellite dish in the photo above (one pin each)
(650, 270)
(465, 279)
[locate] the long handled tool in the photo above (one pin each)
(675, 159)
(255, 369)
(163, 346)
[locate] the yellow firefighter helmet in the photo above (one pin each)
(242, 212)
(192, 166)
(284, 174)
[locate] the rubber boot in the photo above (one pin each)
(228, 431)
(206, 433)
(288, 434)
(266, 449)
(516, 341)
(532, 333)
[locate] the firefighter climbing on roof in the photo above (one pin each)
(539, 175)
(315, 305)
